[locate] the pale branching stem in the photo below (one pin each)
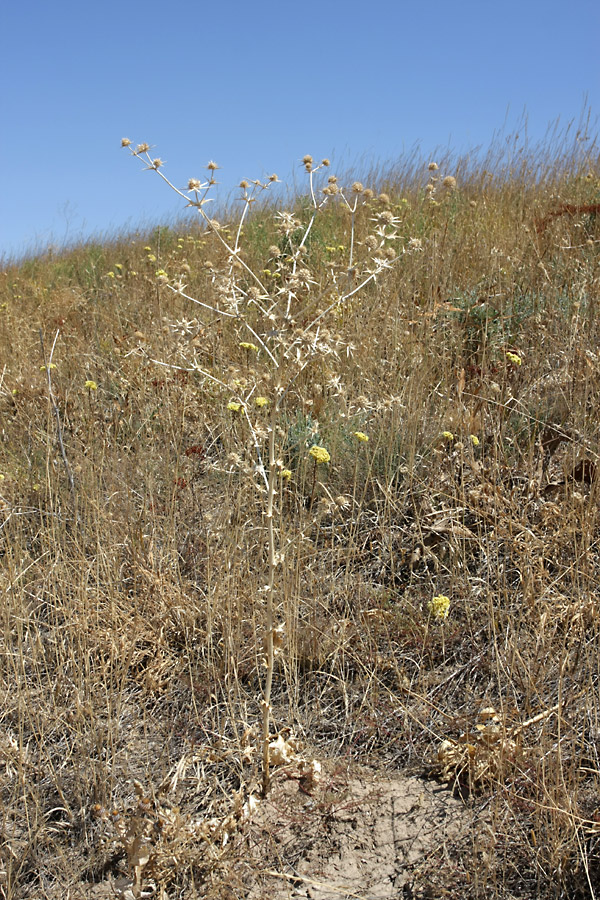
(270, 623)
(312, 189)
(241, 223)
(231, 251)
(199, 204)
(304, 238)
(337, 302)
(194, 368)
(221, 312)
(214, 309)
(56, 413)
(351, 258)
(261, 465)
(262, 344)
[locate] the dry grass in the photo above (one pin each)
(133, 604)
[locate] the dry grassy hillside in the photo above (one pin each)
(433, 585)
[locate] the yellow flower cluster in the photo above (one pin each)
(360, 436)
(91, 385)
(260, 402)
(514, 358)
(246, 345)
(319, 454)
(439, 606)
(235, 407)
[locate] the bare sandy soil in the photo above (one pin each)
(356, 835)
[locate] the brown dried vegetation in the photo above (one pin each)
(133, 560)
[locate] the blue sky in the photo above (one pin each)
(257, 85)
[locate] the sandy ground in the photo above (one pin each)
(354, 836)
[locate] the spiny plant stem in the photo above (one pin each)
(270, 654)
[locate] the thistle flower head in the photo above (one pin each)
(142, 148)
(125, 142)
(449, 182)
(212, 166)
(194, 184)
(358, 187)
(433, 167)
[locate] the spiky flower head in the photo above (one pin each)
(273, 177)
(125, 142)
(142, 148)
(358, 187)
(212, 166)
(325, 162)
(194, 184)
(307, 160)
(433, 167)
(449, 182)
(439, 606)
(319, 454)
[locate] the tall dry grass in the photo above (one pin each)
(133, 610)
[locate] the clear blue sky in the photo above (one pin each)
(257, 85)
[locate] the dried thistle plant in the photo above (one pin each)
(264, 309)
